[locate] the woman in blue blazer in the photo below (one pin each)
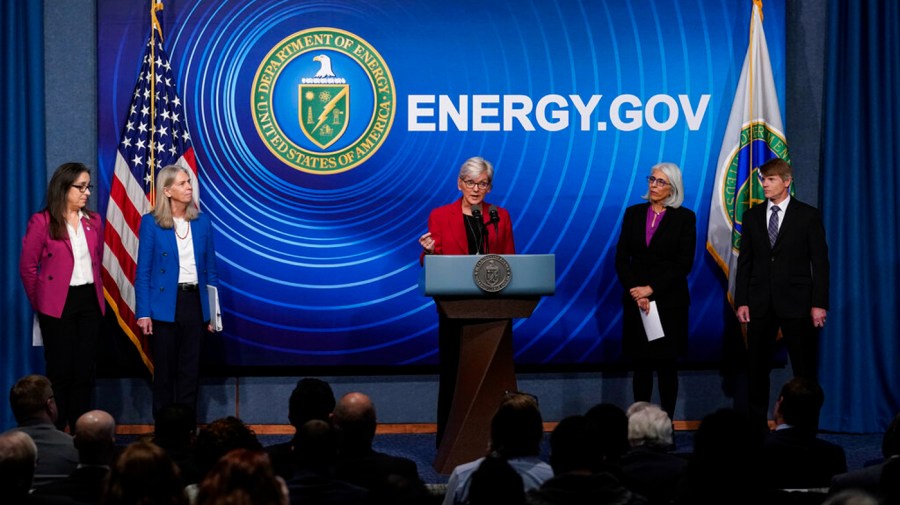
(176, 263)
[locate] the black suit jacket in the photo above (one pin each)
(663, 265)
(790, 277)
(652, 473)
(84, 485)
(796, 459)
(372, 469)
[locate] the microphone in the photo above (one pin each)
(476, 213)
(495, 216)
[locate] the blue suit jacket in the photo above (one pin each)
(156, 285)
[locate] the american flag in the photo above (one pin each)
(155, 135)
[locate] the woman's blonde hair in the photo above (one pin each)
(162, 211)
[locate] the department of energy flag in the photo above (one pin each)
(154, 135)
(753, 136)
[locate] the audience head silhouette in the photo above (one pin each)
(574, 446)
(315, 447)
(18, 455)
(95, 438)
(242, 477)
(650, 426)
(144, 474)
(517, 427)
(221, 436)
(799, 403)
(355, 419)
(611, 424)
(175, 425)
(311, 399)
(31, 398)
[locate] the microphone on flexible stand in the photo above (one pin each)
(476, 213)
(495, 217)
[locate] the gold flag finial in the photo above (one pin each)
(157, 6)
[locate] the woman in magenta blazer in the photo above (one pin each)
(467, 226)
(60, 270)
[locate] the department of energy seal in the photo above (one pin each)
(303, 94)
(740, 182)
(492, 273)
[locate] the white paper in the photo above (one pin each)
(652, 325)
(37, 338)
(215, 310)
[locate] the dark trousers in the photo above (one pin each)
(449, 333)
(667, 375)
(70, 350)
(799, 337)
(176, 353)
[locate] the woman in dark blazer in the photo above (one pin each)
(176, 263)
(60, 269)
(467, 226)
(654, 256)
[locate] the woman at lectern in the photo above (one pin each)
(470, 225)
(176, 263)
(654, 256)
(467, 226)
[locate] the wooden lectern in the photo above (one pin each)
(486, 369)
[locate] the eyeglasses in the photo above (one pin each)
(659, 182)
(471, 184)
(83, 187)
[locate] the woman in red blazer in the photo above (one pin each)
(60, 270)
(467, 226)
(452, 229)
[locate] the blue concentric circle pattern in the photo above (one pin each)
(573, 102)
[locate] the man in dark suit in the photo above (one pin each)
(311, 398)
(794, 457)
(358, 463)
(781, 282)
(313, 481)
(95, 439)
(34, 408)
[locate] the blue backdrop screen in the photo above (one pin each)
(319, 173)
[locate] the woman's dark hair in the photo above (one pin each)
(221, 436)
(57, 189)
(517, 428)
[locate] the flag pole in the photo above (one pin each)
(156, 28)
(758, 4)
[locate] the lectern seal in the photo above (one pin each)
(492, 273)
